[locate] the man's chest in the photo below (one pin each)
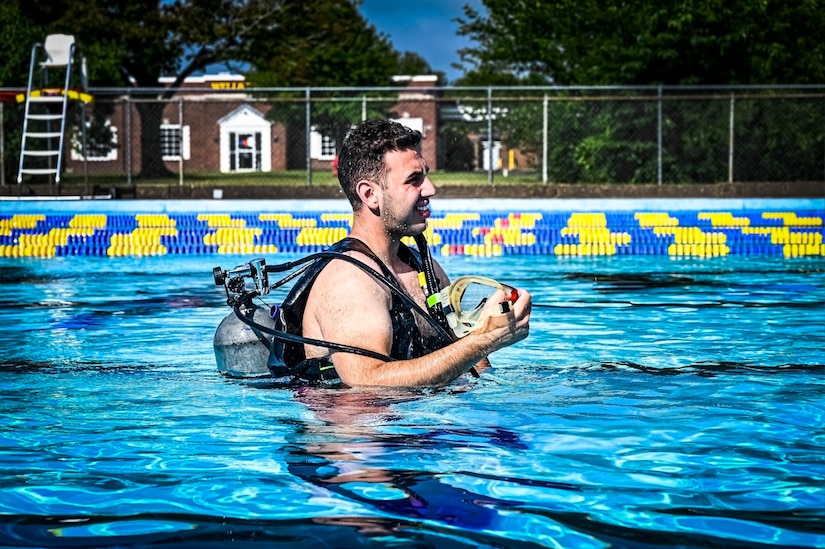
(408, 280)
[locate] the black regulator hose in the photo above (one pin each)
(431, 280)
(433, 286)
(285, 336)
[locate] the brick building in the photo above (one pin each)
(215, 124)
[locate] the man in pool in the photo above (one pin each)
(384, 176)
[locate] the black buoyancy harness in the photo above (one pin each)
(287, 358)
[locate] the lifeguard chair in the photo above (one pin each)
(44, 123)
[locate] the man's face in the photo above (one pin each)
(405, 205)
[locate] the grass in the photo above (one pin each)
(297, 178)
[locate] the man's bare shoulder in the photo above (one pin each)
(348, 306)
(344, 282)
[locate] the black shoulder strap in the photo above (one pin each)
(411, 257)
(355, 245)
(306, 280)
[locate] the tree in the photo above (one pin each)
(138, 41)
(16, 40)
(597, 42)
(329, 45)
(412, 63)
(644, 43)
(325, 43)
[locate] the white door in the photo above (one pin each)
(485, 155)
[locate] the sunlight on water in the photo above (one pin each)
(675, 402)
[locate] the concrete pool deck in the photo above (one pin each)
(13, 206)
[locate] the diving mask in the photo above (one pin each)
(463, 301)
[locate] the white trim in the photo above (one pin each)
(203, 79)
(186, 149)
(44, 204)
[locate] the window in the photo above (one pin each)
(322, 147)
(101, 143)
(244, 151)
(327, 146)
(174, 140)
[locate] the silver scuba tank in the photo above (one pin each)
(240, 350)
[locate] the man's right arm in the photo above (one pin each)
(350, 307)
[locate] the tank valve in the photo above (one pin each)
(219, 275)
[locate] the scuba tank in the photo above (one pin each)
(242, 350)
(243, 337)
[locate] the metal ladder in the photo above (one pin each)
(44, 123)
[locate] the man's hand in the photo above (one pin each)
(503, 322)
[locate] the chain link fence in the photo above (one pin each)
(661, 135)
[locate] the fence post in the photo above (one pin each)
(180, 142)
(544, 139)
(85, 85)
(659, 139)
(128, 139)
(490, 135)
(84, 147)
(2, 149)
(308, 130)
(363, 108)
(730, 140)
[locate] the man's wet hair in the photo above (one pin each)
(362, 154)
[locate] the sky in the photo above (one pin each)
(425, 27)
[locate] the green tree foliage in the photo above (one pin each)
(610, 42)
(412, 63)
(16, 40)
(648, 43)
(110, 34)
(328, 44)
(17, 35)
(321, 44)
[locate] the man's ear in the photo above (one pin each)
(366, 191)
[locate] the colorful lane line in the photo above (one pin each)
(691, 234)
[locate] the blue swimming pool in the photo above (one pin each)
(658, 402)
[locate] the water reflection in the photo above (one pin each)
(347, 454)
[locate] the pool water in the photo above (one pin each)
(658, 402)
